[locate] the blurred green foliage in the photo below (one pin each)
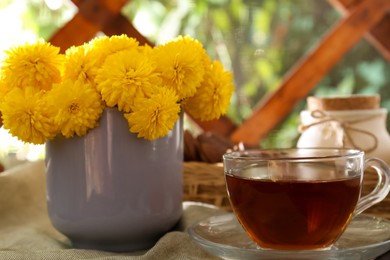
(258, 40)
(44, 21)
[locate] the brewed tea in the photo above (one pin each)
(285, 214)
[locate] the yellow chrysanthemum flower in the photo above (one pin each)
(146, 49)
(181, 64)
(27, 115)
(213, 96)
(80, 64)
(154, 117)
(43, 93)
(79, 107)
(202, 52)
(37, 65)
(125, 76)
(104, 46)
(4, 88)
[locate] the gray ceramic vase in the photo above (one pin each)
(110, 190)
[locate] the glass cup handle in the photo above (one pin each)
(381, 189)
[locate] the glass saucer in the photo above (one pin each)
(366, 237)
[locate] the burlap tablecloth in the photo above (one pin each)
(26, 231)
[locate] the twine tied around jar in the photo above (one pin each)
(346, 127)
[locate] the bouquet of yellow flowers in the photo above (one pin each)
(44, 93)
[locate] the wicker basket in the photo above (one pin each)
(204, 182)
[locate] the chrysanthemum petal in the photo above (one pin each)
(4, 88)
(80, 64)
(181, 64)
(154, 117)
(32, 65)
(213, 96)
(104, 46)
(27, 115)
(125, 76)
(79, 107)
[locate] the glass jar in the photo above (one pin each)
(352, 122)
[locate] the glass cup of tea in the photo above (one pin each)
(300, 199)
